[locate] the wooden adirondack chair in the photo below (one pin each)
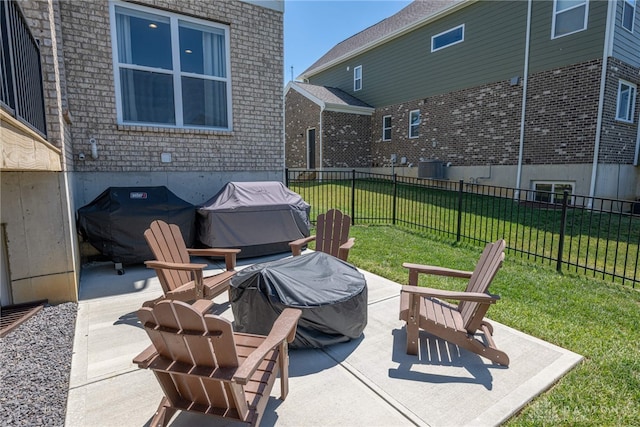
(181, 279)
(203, 366)
(332, 235)
(422, 307)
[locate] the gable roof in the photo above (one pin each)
(331, 98)
(413, 15)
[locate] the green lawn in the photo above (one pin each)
(596, 244)
(599, 320)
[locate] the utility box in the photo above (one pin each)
(433, 169)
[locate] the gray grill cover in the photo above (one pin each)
(260, 218)
(331, 293)
(115, 221)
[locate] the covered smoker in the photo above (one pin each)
(115, 221)
(260, 218)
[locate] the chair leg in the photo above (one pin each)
(413, 329)
(163, 414)
(284, 370)
(469, 342)
(491, 352)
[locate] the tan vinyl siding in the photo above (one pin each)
(626, 45)
(547, 53)
(405, 68)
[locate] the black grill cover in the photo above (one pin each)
(115, 221)
(331, 293)
(259, 218)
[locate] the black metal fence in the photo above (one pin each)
(22, 91)
(595, 236)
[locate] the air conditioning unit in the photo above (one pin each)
(432, 169)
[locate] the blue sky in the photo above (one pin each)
(312, 27)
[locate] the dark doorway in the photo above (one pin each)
(311, 148)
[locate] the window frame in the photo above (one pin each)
(585, 21)
(357, 79)
(633, 4)
(416, 126)
(386, 128)
(631, 103)
(177, 74)
(433, 38)
(552, 193)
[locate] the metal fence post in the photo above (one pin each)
(395, 198)
(460, 191)
(563, 225)
(286, 177)
(353, 197)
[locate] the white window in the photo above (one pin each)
(170, 70)
(357, 78)
(551, 192)
(447, 38)
(626, 101)
(569, 16)
(386, 128)
(628, 14)
(414, 123)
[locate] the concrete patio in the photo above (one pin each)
(366, 382)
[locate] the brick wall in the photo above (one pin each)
(474, 126)
(562, 111)
(618, 139)
(44, 23)
(346, 140)
(256, 142)
(300, 115)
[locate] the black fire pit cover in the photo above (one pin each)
(331, 293)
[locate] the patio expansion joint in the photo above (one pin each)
(102, 378)
(397, 406)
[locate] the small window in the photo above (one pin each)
(357, 78)
(386, 128)
(551, 192)
(447, 38)
(626, 101)
(569, 16)
(628, 14)
(414, 124)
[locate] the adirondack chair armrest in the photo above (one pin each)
(437, 271)
(229, 255)
(296, 245)
(343, 250)
(284, 329)
(145, 357)
(348, 244)
(454, 295)
(175, 266)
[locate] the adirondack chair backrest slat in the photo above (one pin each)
(167, 244)
(203, 343)
(332, 230)
(487, 267)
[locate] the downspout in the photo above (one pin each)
(73, 240)
(608, 40)
(320, 138)
(525, 80)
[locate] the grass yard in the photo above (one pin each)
(599, 320)
(596, 244)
